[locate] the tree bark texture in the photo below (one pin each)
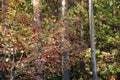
(65, 56)
(37, 14)
(92, 42)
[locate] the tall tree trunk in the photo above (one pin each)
(65, 57)
(81, 37)
(37, 23)
(113, 9)
(3, 10)
(37, 12)
(92, 42)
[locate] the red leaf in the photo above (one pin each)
(34, 31)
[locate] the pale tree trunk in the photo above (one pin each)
(2, 16)
(92, 42)
(3, 10)
(4, 7)
(113, 9)
(37, 14)
(81, 37)
(37, 24)
(65, 57)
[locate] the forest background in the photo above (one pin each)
(20, 40)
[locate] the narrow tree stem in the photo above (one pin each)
(65, 56)
(92, 43)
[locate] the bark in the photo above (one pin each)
(37, 14)
(65, 57)
(81, 37)
(37, 23)
(3, 10)
(92, 42)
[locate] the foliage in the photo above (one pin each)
(18, 40)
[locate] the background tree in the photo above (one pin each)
(92, 42)
(65, 57)
(21, 34)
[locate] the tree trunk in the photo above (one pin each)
(37, 23)
(2, 16)
(91, 23)
(65, 57)
(37, 14)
